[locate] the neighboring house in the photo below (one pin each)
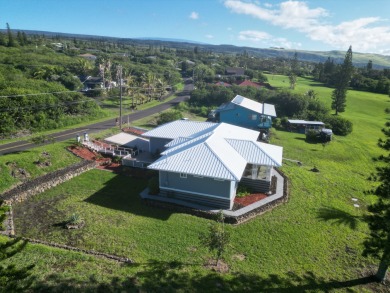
(249, 83)
(88, 56)
(254, 84)
(222, 83)
(246, 113)
(204, 162)
(235, 71)
(311, 127)
(91, 82)
(302, 126)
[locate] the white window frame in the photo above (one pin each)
(183, 175)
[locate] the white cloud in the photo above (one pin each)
(209, 36)
(269, 5)
(364, 34)
(265, 38)
(194, 15)
(253, 36)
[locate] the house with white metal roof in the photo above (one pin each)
(205, 166)
(246, 113)
(303, 126)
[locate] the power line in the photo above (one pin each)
(39, 94)
(44, 107)
(65, 92)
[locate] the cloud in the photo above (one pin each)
(253, 36)
(364, 34)
(209, 36)
(266, 39)
(194, 15)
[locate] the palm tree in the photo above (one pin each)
(148, 83)
(83, 67)
(132, 88)
(161, 86)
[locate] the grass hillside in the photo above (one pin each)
(312, 243)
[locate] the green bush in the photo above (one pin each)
(339, 125)
(74, 219)
(243, 191)
(169, 116)
(311, 135)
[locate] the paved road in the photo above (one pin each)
(96, 127)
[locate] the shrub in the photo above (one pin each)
(311, 135)
(169, 116)
(339, 125)
(74, 219)
(116, 159)
(243, 191)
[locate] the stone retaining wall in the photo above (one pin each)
(45, 182)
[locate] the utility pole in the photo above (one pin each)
(120, 95)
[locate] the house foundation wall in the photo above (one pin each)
(215, 202)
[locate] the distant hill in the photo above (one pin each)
(359, 59)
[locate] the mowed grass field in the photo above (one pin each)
(312, 243)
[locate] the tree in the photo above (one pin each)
(217, 238)
(169, 116)
(378, 244)
(11, 41)
(293, 71)
(344, 74)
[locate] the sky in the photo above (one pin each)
(312, 25)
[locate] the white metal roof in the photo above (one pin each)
(129, 140)
(176, 141)
(306, 122)
(179, 128)
(255, 106)
(258, 153)
(209, 157)
(222, 152)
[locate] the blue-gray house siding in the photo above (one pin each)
(244, 117)
(157, 145)
(201, 190)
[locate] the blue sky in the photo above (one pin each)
(301, 25)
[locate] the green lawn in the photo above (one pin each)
(58, 157)
(312, 243)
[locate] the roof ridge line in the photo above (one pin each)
(222, 162)
(255, 142)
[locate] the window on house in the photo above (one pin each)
(183, 175)
(252, 116)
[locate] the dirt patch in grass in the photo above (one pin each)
(219, 267)
(240, 257)
(37, 215)
(17, 172)
(35, 219)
